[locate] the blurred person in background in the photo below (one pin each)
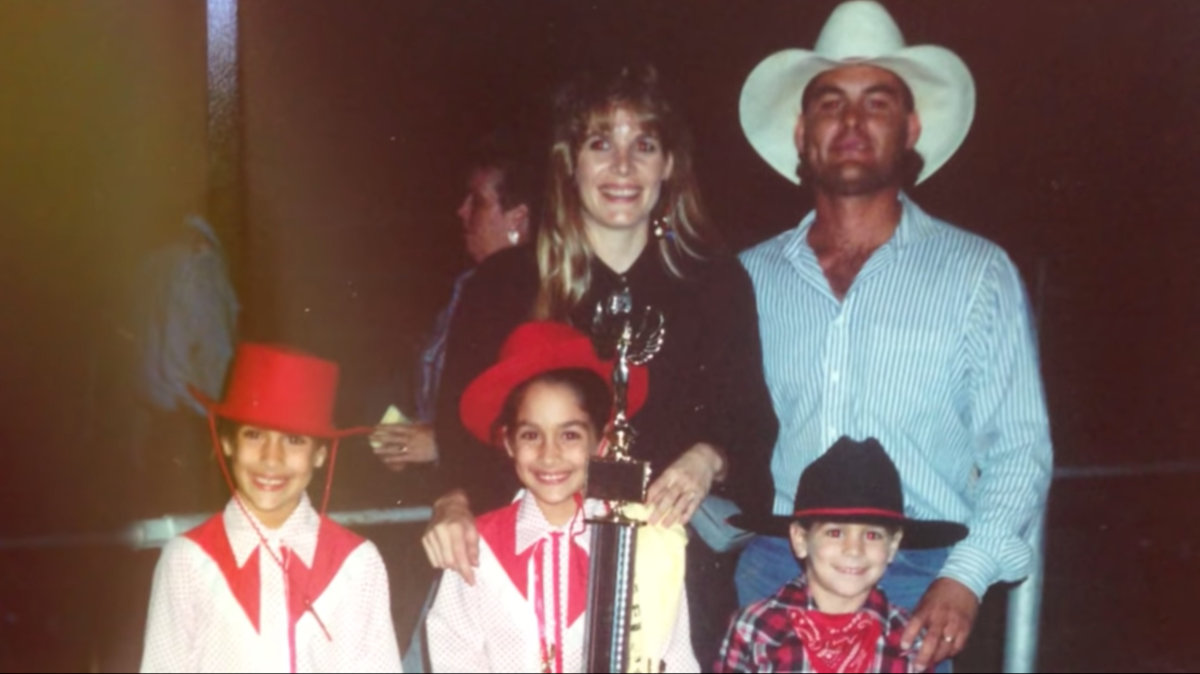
(496, 214)
(183, 327)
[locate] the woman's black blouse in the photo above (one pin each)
(706, 384)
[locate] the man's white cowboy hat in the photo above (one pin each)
(859, 32)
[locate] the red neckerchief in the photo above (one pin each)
(837, 643)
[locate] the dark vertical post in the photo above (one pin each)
(225, 200)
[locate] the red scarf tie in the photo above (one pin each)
(837, 643)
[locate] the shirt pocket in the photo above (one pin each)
(905, 363)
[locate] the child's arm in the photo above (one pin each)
(454, 634)
(375, 637)
(171, 619)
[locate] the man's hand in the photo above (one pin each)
(451, 540)
(404, 444)
(677, 493)
(947, 614)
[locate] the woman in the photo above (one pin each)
(496, 214)
(622, 213)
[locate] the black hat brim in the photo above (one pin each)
(918, 534)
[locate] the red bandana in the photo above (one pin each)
(837, 643)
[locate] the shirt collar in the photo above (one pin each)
(298, 533)
(915, 225)
(464, 276)
(646, 264)
(643, 278)
(533, 527)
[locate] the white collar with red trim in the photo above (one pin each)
(532, 525)
(298, 533)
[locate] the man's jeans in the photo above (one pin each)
(767, 563)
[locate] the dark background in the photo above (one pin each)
(357, 117)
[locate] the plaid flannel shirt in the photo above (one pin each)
(761, 637)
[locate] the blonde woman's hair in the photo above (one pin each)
(564, 255)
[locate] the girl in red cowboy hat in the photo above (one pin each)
(545, 403)
(270, 585)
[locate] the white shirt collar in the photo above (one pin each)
(533, 527)
(298, 533)
(914, 226)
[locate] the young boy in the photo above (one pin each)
(545, 402)
(847, 525)
(269, 585)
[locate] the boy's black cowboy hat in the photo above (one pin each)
(855, 482)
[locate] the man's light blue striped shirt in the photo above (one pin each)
(932, 352)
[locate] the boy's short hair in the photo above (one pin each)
(227, 429)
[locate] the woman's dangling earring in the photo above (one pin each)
(661, 226)
(514, 237)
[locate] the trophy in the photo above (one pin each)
(618, 480)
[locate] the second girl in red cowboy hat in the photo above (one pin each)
(270, 585)
(545, 403)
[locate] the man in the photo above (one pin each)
(879, 320)
(496, 214)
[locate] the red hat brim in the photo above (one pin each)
(484, 398)
(256, 417)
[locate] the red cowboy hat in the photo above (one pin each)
(531, 349)
(282, 389)
(279, 389)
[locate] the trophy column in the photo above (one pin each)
(617, 480)
(610, 596)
